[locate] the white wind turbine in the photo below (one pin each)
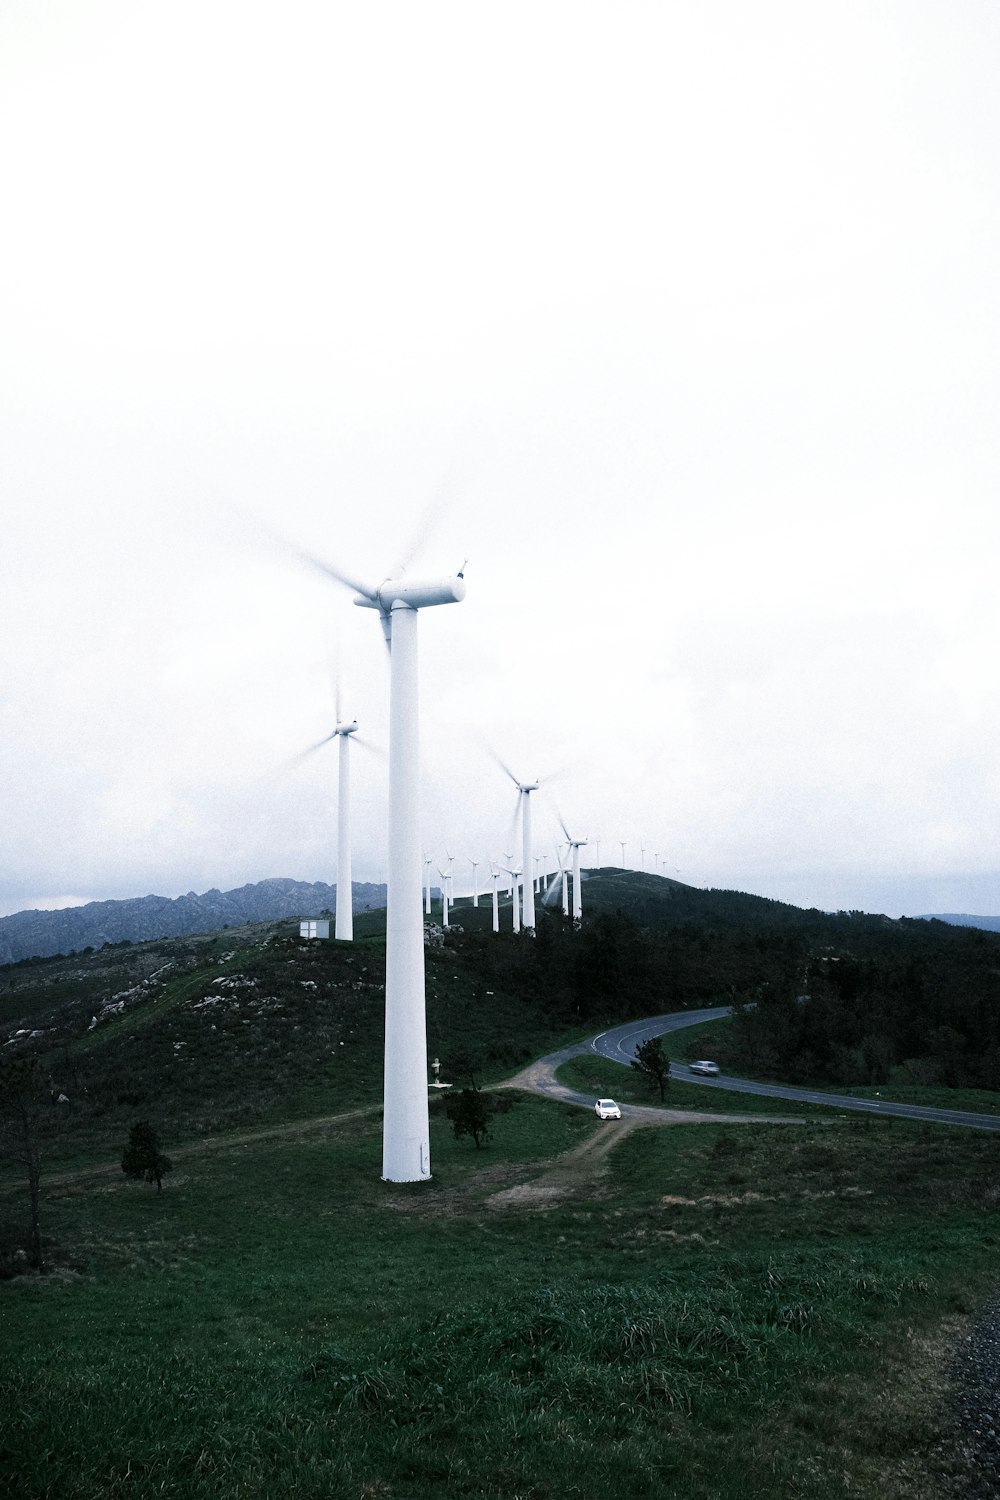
(445, 898)
(475, 883)
(524, 791)
(559, 879)
(406, 1155)
(495, 873)
(575, 845)
(344, 926)
(515, 899)
(427, 885)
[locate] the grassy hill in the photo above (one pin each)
(712, 1311)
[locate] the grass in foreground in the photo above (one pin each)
(721, 1314)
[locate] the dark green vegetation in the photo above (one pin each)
(576, 1308)
(142, 1156)
(652, 1062)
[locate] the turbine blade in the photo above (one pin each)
(296, 760)
(337, 574)
(503, 766)
(562, 823)
(370, 747)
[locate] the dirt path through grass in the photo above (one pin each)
(540, 1078)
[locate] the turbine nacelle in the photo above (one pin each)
(351, 728)
(415, 595)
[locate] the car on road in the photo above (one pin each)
(709, 1069)
(607, 1109)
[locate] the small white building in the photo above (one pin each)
(314, 927)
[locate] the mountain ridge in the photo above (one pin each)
(42, 934)
(963, 919)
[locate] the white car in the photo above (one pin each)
(607, 1109)
(710, 1069)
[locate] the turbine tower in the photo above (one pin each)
(575, 845)
(496, 898)
(524, 791)
(445, 899)
(515, 899)
(344, 928)
(475, 881)
(406, 1154)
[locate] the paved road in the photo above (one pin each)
(619, 1046)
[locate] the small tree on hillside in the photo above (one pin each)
(142, 1156)
(470, 1113)
(651, 1060)
(22, 1099)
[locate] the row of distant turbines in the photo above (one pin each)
(512, 877)
(406, 1126)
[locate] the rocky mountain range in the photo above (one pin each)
(38, 934)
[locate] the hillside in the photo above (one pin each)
(250, 1024)
(31, 934)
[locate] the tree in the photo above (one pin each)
(470, 1113)
(651, 1060)
(22, 1096)
(142, 1156)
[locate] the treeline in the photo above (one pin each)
(838, 999)
(614, 968)
(926, 1019)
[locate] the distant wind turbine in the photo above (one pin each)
(524, 791)
(515, 901)
(575, 846)
(495, 873)
(344, 927)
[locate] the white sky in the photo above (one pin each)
(679, 320)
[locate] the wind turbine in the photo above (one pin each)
(561, 878)
(496, 898)
(524, 791)
(444, 896)
(406, 1153)
(515, 901)
(623, 843)
(344, 927)
(475, 883)
(427, 885)
(575, 846)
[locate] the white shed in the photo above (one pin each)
(314, 927)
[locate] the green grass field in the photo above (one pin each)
(705, 1311)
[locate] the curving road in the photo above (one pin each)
(619, 1046)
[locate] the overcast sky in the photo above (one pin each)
(679, 320)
